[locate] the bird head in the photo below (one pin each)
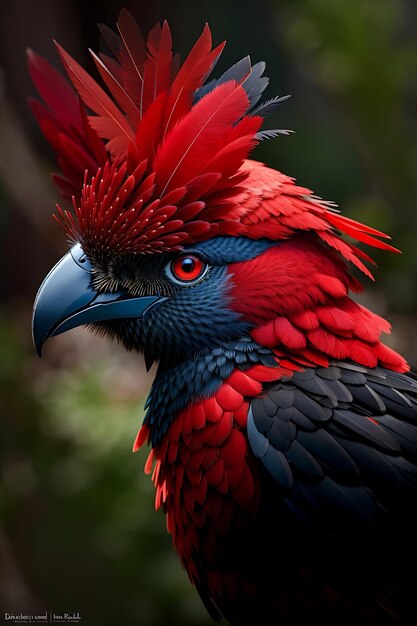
(180, 243)
(167, 306)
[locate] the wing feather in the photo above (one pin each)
(362, 450)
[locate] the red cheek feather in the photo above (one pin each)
(297, 299)
(287, 279)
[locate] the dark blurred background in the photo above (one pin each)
(77, 526)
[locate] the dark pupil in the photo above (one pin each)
(187, 265)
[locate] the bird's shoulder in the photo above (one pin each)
(340, 440)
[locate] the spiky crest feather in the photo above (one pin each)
(161, 161)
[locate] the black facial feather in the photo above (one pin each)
(194, 316)
(140, 275)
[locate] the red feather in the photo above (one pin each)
(190, 77)
(115, 42)
(265, 335)
(221, 430)
(228, 398)
(237, 144)
(345, 250)
(327, 342)
(215, 473)
(212, 409)
(56, 92)
(307, 320)
(359, 232)
(141, 437)
(335, 319)
(92, 140)
(118, 92)
(288, 335)
(110, 123)
(113, 67)
(331, 285)
(149, 130)
(391, 359)
(244, 384)
(196, 139)
(361, 353)
(157, 71)
(131, 55)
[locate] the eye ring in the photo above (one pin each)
(186, 269)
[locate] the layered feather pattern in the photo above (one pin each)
(198, 137)
(189, 138)
(283, 431)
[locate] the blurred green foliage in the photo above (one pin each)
(364, 56)
(75, 504)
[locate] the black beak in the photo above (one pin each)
(66, 299)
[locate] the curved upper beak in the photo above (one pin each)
(66, 299)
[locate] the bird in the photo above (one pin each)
(282, 430)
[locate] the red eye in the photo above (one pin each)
(187, 268)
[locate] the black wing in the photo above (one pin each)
(340, 444)
(340, 448)
(345, 425)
